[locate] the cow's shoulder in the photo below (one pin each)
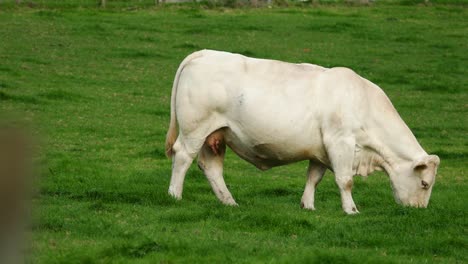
(313, 67)
(343, 73)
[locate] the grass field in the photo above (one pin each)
(96, 85)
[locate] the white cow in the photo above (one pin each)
(273, 113)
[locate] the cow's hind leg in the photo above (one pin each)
(341, 154)
(181, 161)
(210, 160)
(314, 176)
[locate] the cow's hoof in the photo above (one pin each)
(307, 206)
(230, 202)
(174, 194)
(352, 211)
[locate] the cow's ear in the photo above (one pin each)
(424, 162)
(435, 159)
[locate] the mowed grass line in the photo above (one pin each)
(96, 84)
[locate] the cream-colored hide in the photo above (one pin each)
(273, 113)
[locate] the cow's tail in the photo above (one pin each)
(171, 135)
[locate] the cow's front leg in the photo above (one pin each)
(314, 176)
(210, 161)
(345, 184)
(341, 154)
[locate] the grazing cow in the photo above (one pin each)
(272, 113)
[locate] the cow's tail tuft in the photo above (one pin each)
(171, 135)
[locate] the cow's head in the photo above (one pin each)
(412, 182)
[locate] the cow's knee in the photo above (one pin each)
(345, 184)
(348, 185)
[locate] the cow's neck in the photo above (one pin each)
(393, 145)
(387, 135)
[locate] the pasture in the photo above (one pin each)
(96, 85)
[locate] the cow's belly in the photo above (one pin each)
(265, 153)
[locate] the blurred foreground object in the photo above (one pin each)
(15, 186)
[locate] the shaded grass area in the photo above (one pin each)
(97, 85)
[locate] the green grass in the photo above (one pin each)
(96, 85)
